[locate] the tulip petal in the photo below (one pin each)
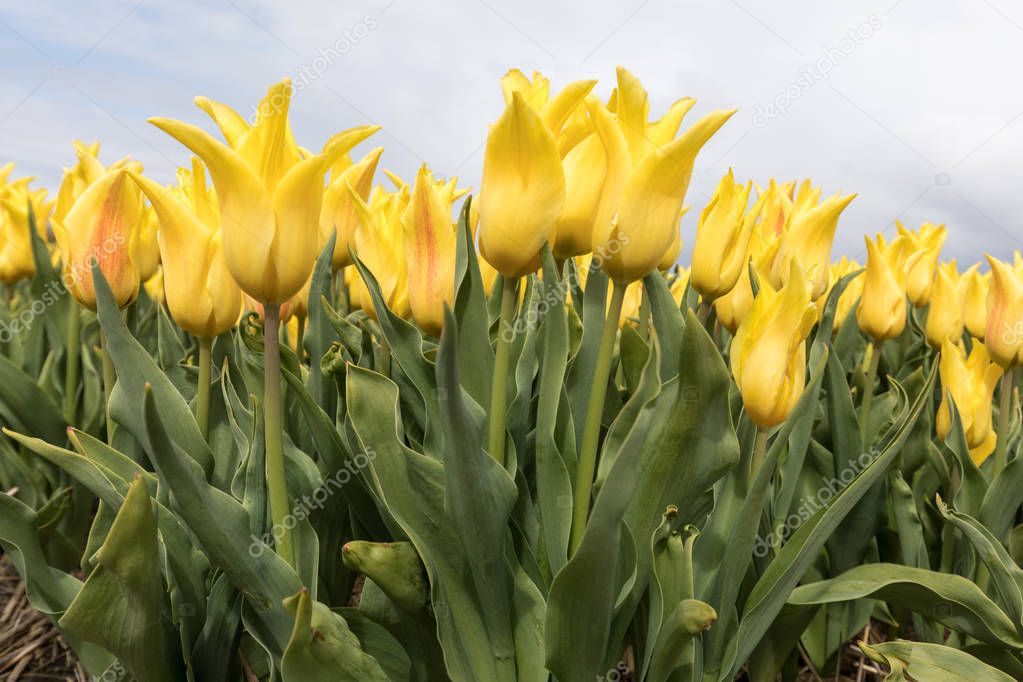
(666, 128)
(297, 202)
(269, 147)
(338, 213)
(232, 126)
(557, 110)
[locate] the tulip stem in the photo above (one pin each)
(202, 387)
(644, 316)
(587, 464)
(74, 348)
(874, 348)
(109, 377)
(299, 337)
(502, 362)
(1002, 433)
(276, 482)
(759, 450)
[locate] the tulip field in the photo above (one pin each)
(293, 417)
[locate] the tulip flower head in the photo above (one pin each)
(768, 353)
(945, 313)
(733, 307)
(882, 309)
(927, 242)
(852, 292)
(1004, 336)
(722, 238)
(970, 382)
(16, 261)
(975, 300)
(429, 240)
(641, 204)
(201, 294)
(270, 196)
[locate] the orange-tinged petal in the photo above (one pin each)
(429, 252)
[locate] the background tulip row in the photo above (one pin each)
(297, 425)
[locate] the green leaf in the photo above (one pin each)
(135, 370)
(946, 598)
(475, 356)
(26, 407)
(394, 567)
(119, 607)
(922, 661)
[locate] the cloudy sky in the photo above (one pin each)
(914, 105)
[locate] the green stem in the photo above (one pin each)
(202, 400)
(502, 362)
(587, 464)
(1002, 428)
(703, 310)
(276, 482)
(74, 349)
(109, 377)
(759, 449)
(299, 337)
(874, 348)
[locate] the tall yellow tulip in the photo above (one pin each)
(200, 292)
(733, 307)
(722, 238)
(379, 245)
(1004, 336)
(16, 261)
(853, 290)
(945, 314)
(640, 209)
(522, 192)
(270, 198)
(768, 353)
(971, 382)
(882, 309)
(429, 252)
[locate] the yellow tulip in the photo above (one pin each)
(971, 382)
(429, 252)
(148, 248)
(882, 310)
(379, 244)
(638, 219)
(585, 173)
(338, 214)
(87, 169)
(102, 227)
(777, 207)
(945, 313)
(554, 111)
(154, 287)
(522, 192)
(16, 261)
(733, 307)
(927, 241)
(270, 198)
(975, 301)
(675, 250)
(1004, 336)
(768, 353)
(200, 292)
(722, 238)
(808, 239)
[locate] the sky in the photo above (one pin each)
(913, 105)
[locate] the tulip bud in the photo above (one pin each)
(102, 227)
(201, 295)
(882, 310)
(722, 238)
(1004, 336)
(768, 353)
(850, 295)
(975, 301)
(971, 382)
(522, 192)
(429, 252)
(928, 241)
(945, 314)
(16, 261)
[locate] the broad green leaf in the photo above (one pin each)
(946, 598)
(932, 662)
